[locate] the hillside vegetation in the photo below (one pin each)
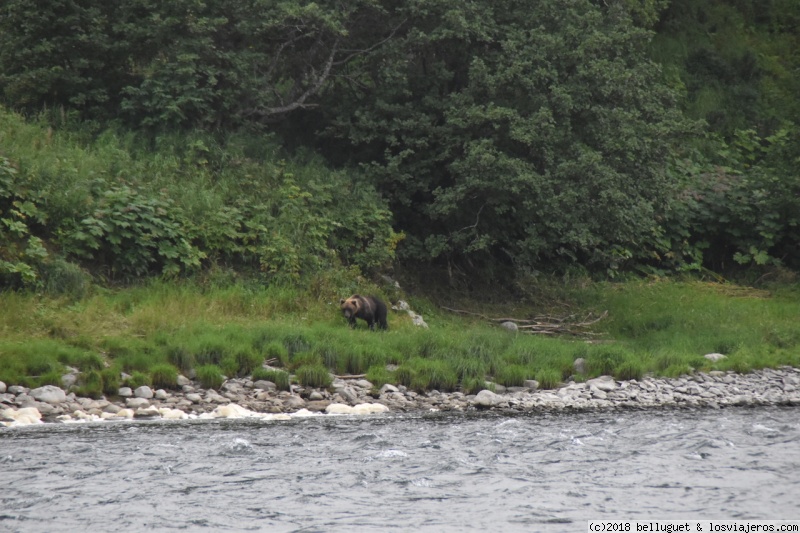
(201, 173)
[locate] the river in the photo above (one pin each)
(424, 472)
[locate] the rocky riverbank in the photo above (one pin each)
(245, 398)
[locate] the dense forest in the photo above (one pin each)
(490, 140)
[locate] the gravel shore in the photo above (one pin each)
(244, 398)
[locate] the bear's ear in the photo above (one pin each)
(341, 301)
(358, 296)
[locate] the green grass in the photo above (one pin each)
(661, 328)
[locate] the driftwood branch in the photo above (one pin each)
(544, 325)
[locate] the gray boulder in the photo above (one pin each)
(487, 398)
(579, 365)
(125, 392)
(143, 392)
(49, 394)
(137, 403)
(714, 357)
(2, 387)
(603, 383)
(510, 326)
(264, 385)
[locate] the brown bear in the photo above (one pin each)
(368, 308)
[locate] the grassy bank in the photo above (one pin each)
(152, 333)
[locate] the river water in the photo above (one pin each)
(425, 472)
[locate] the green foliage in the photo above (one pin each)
(278, 377)
(246, 361)
(379, 376)
(548, 378)
(603, 361)
(473, 385)
(164, 376)
(490, 133)
(629, 369)
(511, 375)
(181, 357)
(111, 380)
(426, 374)
(91, 384)
(313, 375)
(209, 376)
(21, 251)
(138, 379)
(132, 235)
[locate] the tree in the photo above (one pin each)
(513, 132)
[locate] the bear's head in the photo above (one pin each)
(351, 306)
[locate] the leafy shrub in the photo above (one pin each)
(132, 234)
(164, 376)
(313, 375)
(21, 252)
(209, 376)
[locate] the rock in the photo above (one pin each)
(68, 380)
(349, 394)
(603, 383)
(24, 416)
(183, 380)
(125, 392)
(530, 384)
(137, 403)
(401, 305)
(264, 385)
(147, 412)
(143, 392)
(487, 398)
(369, 408)
(389, 388)
(112, 409)
(417, 320)
(339, 409)
(579, 365)
(161, 394)
(172, 414)
(49, 394)
(510, 326)
(232, 411)
(318, 406)
(363, 384)
(714, 357)
(2, 387)
(17, 390)
(315, 396)
(294, 402)
(194, 397)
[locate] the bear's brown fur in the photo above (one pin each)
(367, 308)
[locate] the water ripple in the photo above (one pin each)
(438, 472)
